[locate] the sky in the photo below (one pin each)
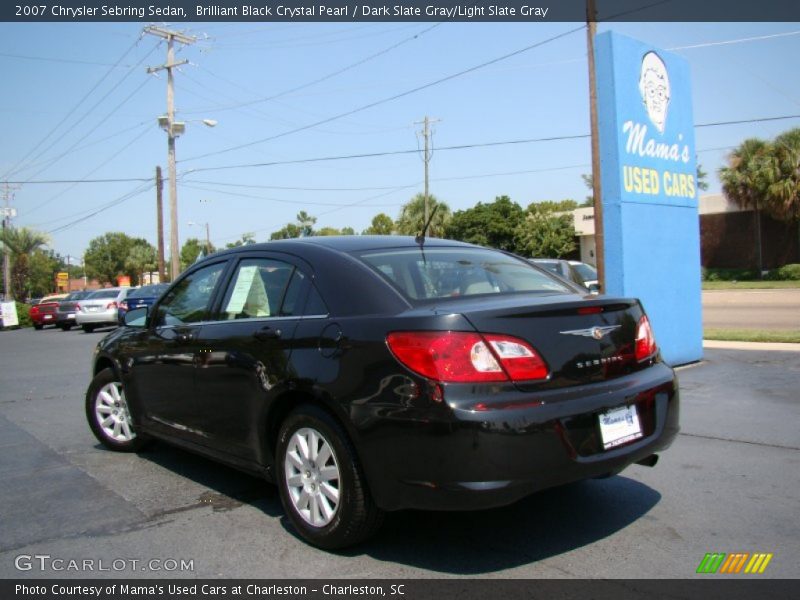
(77, 103)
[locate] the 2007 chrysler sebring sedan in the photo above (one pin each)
(367, 374)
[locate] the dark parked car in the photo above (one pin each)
(140, 298)
(366, 374)
(65, 313)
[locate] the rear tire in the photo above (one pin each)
(66, 327)
(321, 483)
(38, 326)
(87, 328)
(108, 414)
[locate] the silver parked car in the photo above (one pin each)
(571, 270)
(100, 308)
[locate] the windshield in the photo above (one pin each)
(452, 272)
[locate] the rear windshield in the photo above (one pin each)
(103, 294)
(452, 272)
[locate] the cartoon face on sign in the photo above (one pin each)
(654, 87)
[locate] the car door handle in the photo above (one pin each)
(267, 333)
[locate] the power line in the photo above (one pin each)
(64, 60)
(314, 81)
(124, 147)
(55, 159)
(392, 98)
(16, 167)
(132, 194)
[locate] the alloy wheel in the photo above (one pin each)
(312, 477)
(111, 412)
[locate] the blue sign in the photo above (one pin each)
(648, 175)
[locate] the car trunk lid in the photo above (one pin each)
(581, 340)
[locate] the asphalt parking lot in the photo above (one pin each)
(730, 483)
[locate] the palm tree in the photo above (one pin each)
(784, 192)
(746, 181)
(412, 217)
(20, 244)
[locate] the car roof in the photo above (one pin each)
(344, 243)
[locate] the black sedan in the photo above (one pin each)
(368, 374)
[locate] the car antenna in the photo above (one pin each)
(420, 239)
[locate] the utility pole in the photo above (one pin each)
(599, 239)
(426, 133)
(173, 130)
(8, 214)
(208, 240)
(162, 277)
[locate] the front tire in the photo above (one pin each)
(87, 328)
(108, 414)
(38, 326)
(321, 484)
(65, 327)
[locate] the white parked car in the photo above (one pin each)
(100, 308)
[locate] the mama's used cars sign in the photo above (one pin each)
(649, 188)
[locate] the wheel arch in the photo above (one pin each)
(284, 404)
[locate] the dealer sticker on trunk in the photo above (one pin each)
(619, 425)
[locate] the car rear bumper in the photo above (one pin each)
(95, 318)
(457, 458)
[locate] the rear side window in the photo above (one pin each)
(257, 289)
(452, 272)
(104, 294)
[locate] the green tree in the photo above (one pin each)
(412, 217)
(306, 223)
(43, 265)
(246, 240)
(328, 231)
(784, 191)
(191, 249)
(289, 231)
(746, 181)
(303, 227)
(141, 259)
(20, 243)
(382, 224)
(546, 231)
(493, 224)
(107, 256)
(347, 231)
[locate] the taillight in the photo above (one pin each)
(111, 305)
(645, 340)
(465, 357)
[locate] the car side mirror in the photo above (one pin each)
(136, 317)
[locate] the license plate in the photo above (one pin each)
(93, 308)
(619, 425)
(46, 317)
(71, 316)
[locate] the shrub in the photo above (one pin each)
(787, 272)
(731, 274)
(703, 274)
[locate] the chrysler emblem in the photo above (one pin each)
(597, 333)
